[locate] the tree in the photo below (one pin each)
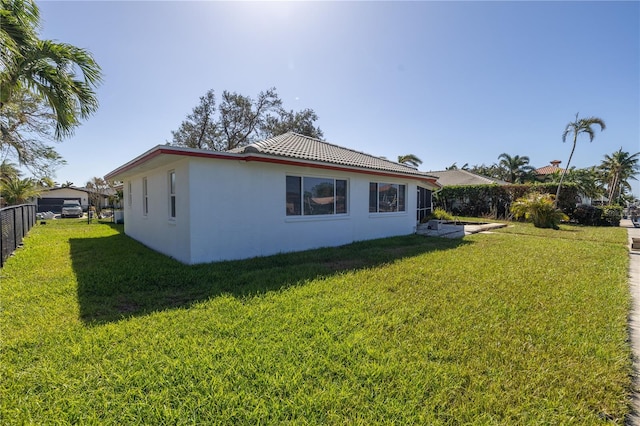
(454, 166)
(19, 191)
(61, 76)
(588, 181)
(241, 118)
(575, 128)
(19, 20)
(240, 121)
(26, 125)
(8, 171)
(289, 121)
(516, 169)
(618, 168)
(492, 171)
(199, 130)
(45, 182)
(409, 160)
(98, 189)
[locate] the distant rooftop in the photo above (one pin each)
(551, 169)
(464, 177)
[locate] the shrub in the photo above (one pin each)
(612, 215)
(495, 200)
(441, 214)
(438, 213)
(539, 209)
(587, 215)
(598, 215)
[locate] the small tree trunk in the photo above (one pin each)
(564, 172)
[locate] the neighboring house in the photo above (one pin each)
(52, 199)
(460, 177)
(544, 173)
(283, 194)
(464, 205)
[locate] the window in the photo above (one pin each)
(129, 195)
(312, 196)
(145, 197)
(172, 194)
(386, 197)
(424, 203)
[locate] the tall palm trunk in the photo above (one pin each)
(613, 186)
(564, 172)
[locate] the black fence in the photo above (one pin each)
(15, 223)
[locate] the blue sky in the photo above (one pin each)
(449, 82)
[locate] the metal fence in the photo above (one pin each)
(15, 223)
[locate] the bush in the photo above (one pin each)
(539, 209)
(438, 213)
(612, 215)
(495, 200)
(441, 214)
(598, 215)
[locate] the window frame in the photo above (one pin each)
(145, 196)
(299, 207)
(400, 199)
(129, 195)
(172, 195)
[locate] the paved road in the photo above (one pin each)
(634, 320)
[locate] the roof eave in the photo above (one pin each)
(159, 150)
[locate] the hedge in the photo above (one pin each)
(598, 215)
(494, 200)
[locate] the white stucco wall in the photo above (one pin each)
(228, 209)
(238, 211)
(156, 230)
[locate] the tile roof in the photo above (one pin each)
(296, 146)
(464, 177)
(548, 170)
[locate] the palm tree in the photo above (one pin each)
(582, 125)
(45, 68)
(46, 182)
(19, 21)
(588, 181)
(8, 171)
(409, 160)
(454, 166)
(19, 191)
(617, 169)
(516, 168)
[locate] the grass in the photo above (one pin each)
(522, 326)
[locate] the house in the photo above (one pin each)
(52, 199)
(283, 194)
(459, 177)
(545, 173)
(464, 205)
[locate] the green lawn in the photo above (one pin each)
(522, 326)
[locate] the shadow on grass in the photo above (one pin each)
(120, 278)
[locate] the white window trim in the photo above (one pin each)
(333, 216)
(129, 195)
(172, 195)
(145, 197)
(378, 213)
